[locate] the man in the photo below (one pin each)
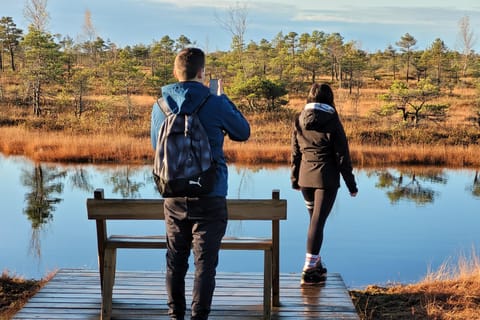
(197, 223)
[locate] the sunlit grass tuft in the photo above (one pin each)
(15, 292)
(450, 292)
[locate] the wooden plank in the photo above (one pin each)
(75, 294)
(152, 209)
(101, 209)
(159, 242)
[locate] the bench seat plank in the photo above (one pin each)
(159, 242)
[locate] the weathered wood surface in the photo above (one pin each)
(75, 294)
(152, 209)
(101, 210)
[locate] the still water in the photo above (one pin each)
(403, 222)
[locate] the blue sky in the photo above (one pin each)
(372, 24)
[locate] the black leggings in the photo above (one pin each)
(319, 203)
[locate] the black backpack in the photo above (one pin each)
(183, 164)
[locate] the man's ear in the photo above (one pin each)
(201, 74)
(175, 74)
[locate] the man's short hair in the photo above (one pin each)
(188, 62)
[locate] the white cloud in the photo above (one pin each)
(375, 23)
(383, 16)
(191, 4)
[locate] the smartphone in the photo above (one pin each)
(213, 86)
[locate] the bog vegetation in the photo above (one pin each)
(451, 292)
(89, 100)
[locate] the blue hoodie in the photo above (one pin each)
(219, 117)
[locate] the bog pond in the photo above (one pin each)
(403, 223)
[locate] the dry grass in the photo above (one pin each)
(15, 292)
(105, 133)
(61, 147)
(269, 143)
(451, 292)
(257, 153)
(412, 154)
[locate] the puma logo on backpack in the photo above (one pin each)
(183, 164)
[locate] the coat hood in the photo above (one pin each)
(316, 116)
(184, 97)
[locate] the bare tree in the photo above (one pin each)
(88, 29)
(235, 22)
(88, 37)
(466, 41)
(35, 12)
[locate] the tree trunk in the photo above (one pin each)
(394, 69)
(1, 58)
(417, 116)
(332, 69)
(12, 59)
(408, 66)
(36, 99)
(79, 101)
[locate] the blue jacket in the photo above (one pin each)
(219, 117)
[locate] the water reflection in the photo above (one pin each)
(42, 183)
(313, 296)
(475, 188)
(410, 184)
(42, 202)
(124, 182)
(81, 180)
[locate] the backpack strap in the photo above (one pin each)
(201, 104)
(163, 106)
(166, 110)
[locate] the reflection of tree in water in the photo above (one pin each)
(81, 180)
(476, 185)
(235, 228)
(408, 185)
(123, 183)
(42, 182)
(245, 176)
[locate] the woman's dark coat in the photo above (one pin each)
(320, 150)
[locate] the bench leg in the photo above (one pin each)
(275, 286)
(267, 285)
(108, 282)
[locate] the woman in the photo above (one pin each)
(319, 155)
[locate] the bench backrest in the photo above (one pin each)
(152, 209)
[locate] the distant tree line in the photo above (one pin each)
(40, 69)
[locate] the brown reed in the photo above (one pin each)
(451, 292)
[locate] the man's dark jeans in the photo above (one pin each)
(198, 224)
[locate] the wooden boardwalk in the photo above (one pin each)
(75, 294)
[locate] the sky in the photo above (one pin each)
(372, 24)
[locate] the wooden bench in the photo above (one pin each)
(101, 210)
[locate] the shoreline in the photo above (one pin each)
(102, 149)
(446, 293)
(373, 300)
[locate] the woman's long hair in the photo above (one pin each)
(321, 93)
